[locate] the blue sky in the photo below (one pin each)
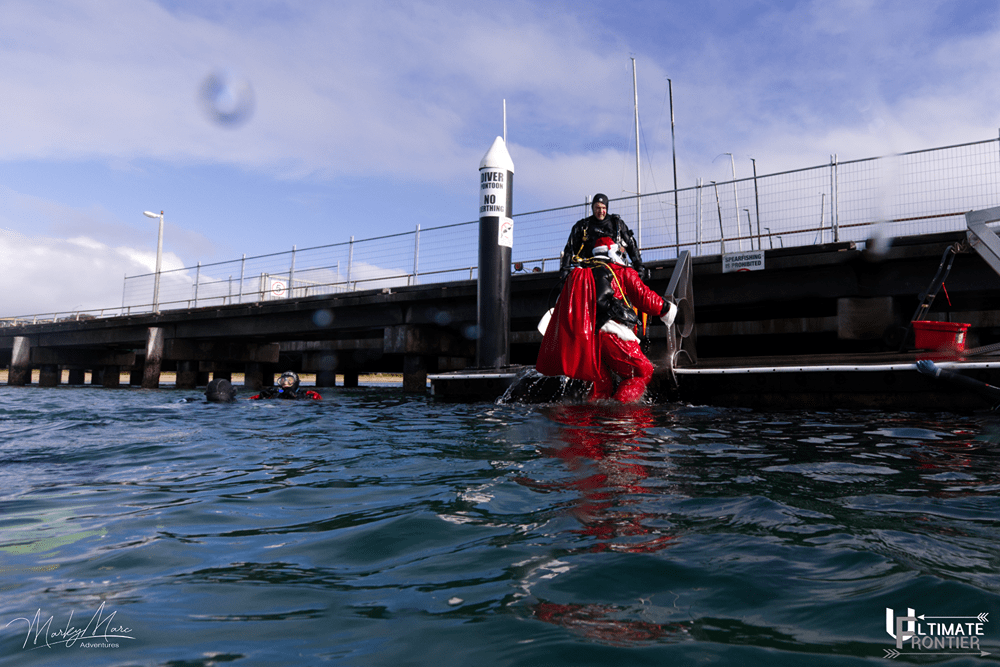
(371, 117)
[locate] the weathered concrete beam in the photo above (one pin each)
(791, 325)
(66, 356)
(180, 349)
(336, 345)
(866, 318)
(426, 340)
(317, 362)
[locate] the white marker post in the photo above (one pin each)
(496, 239)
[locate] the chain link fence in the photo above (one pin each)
(900, 195)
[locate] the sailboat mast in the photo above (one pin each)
(505, 121)
(638, 186)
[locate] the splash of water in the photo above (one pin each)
(530, 386)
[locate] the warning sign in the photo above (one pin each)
(752, 260)
(495, 200)
(506, 237)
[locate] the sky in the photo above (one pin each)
(260, 125)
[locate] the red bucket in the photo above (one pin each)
(941, 336)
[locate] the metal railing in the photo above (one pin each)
(900, 195)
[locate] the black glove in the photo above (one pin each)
(564, 274)
(642, 271)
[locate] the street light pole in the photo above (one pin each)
(159, 259)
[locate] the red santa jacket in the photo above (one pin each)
(591, 296)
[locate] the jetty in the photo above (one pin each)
(824, 323)
(821, 326)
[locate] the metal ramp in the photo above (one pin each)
(681, 337)
(982, 239)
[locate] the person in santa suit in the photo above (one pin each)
(591, 334)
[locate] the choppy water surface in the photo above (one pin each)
(374, 528)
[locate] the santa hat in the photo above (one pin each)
(604, 246)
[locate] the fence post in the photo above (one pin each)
(698, 231)
(291, 276)
(197, 280)
(834, 196)
(350, 261)
(416, 252)
(243, 264)
(722, 231)
(756, 202)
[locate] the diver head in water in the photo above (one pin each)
(287, 386)
(220, 391)
(288, 382)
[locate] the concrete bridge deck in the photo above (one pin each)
(829, 299)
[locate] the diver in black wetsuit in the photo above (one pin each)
(287, 387)
(220, 391)
(580, 244)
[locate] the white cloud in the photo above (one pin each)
(68, 274)
(362, 98)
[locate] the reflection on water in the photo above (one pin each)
(375, 528)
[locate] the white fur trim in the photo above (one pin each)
(543, 324)
(620, 330)
(671, 314)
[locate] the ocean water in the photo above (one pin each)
(377, 528)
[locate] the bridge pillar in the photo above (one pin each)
(77, 376)
(415, 373)
(351, 378)
(253, 376)
(326, 378)
(20, 363)
(111, 377)
(187, 374)
(154, 358)
(49, 376)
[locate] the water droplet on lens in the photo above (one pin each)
(227, 100)
(323, 318)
